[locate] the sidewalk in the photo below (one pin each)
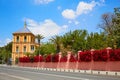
(108, 73)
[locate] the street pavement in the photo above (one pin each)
(18, 73)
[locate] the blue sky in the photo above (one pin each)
(51, 17)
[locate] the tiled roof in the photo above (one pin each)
(23, 30)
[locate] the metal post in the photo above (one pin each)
(72, 45)
(39, 57)
(39, 53)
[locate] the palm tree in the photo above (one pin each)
(57, 41)
(75, 40)
(39, 37)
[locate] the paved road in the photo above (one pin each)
(16, 73)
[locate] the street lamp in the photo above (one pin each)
(72, 44)
(39, 52)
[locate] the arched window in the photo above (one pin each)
(17, 49)
(17, 39)
(25, 39)
(32, 47)
(24, 49)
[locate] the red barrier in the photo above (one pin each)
(102, 66)
(103, 60)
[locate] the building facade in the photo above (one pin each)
(23, 42)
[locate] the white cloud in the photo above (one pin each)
(65, 26)
(8, 40)
(69, 14)
(43, 1)
(1, 44)
(47, 28)
(75, 22)
(5, 42)
(82, 8)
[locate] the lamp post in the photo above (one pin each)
(39, 37)
(72, 44)
(39, 52)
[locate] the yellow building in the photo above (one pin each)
(23, 42)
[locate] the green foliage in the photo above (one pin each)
(116, 22)
(76, 40)
(96, 41)
(46, 48)
(5, 53)
(27, 54)
(57, 42)
(39, 37)
(110, 24)
(16, 61)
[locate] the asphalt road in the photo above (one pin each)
(16, 73)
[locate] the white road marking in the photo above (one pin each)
(18, 77)
(69, 77)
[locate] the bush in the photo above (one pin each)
(48, 58)
(97, 55)
(63, 59)
(85, 56)
(104, 55)
(38, 59)
(24, 59)
(55, 58)
(100, 55)
(115, 55)
(72, 58)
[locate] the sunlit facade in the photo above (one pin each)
(23, 42)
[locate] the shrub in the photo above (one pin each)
(100, 55)
(55, 58)
(104, 55)
(63, 59)
(85, 56)
(96, 55)
(115, 56)
(48, 58)
(72, 58)
(38, 59)
(24, 59)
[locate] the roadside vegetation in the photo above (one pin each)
(78, 39)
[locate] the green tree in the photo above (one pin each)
(5, 52)
(46, 48)
(116, 23)
(96, 41)
(39, 37)
(110, 23)
(75, 39)
(57, 42)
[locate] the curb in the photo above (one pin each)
(108, 73)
